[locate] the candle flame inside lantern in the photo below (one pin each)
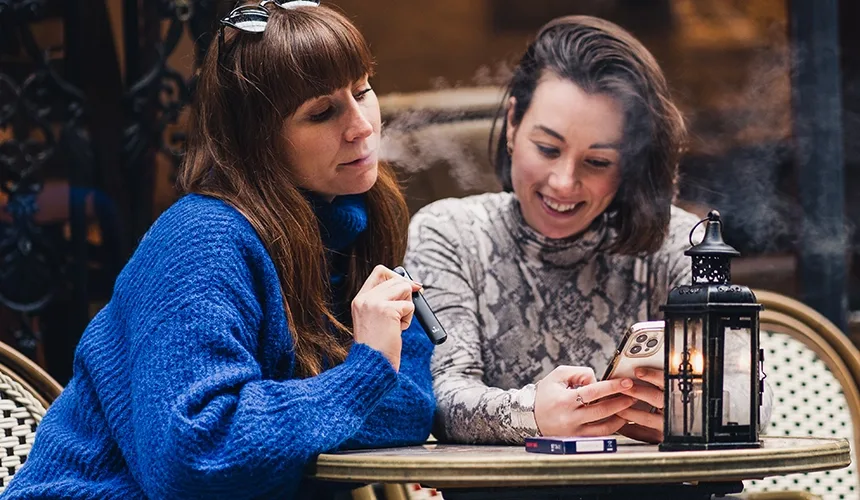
(697, 361)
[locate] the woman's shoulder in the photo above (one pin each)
(200, 228)
(194, 216)
(199, 210)
(677, 239)
(455, 229)
(480, 209)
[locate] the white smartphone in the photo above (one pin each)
(642, 346)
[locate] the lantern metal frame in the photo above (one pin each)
(715, 305)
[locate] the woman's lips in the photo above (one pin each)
(558, 209)
(363, 161)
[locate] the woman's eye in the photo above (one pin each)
(360, 95)
(548, 152)
(598, 163)
(323, 115)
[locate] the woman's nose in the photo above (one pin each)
(359, 126)
(563, 180)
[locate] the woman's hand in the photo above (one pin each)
(381, 310)
(570, 402)
(643, 425)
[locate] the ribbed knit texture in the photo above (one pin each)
(343, 219)
(183, 383)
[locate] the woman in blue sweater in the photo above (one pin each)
(255, 326)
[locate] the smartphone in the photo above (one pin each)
(642, 346)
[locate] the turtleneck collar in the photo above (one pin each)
(341, 220)
(561, 252)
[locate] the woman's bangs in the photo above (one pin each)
(325, 53)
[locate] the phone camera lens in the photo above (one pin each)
(641, 338)
(635, 349)
(652, 343)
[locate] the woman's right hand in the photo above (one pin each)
(571, 402)
(381, 310)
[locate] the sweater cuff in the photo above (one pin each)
(523, 411)
(367, 378)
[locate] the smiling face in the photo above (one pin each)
(332, 141)
(565, 166)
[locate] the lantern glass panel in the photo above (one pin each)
(689, 423)
(737, 371)
(686, 364)
(689, 342)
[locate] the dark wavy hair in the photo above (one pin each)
(602, 58)
(246, 90)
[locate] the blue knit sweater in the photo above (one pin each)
(184, 386)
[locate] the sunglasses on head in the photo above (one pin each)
(253, 18)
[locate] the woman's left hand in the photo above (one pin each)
(644, 425)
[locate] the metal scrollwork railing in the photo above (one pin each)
(47, 127)
(157, 99)
(26, 10)
(163, 90)
(40, 120)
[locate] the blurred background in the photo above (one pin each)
(93, 102)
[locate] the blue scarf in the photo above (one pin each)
(341, 221)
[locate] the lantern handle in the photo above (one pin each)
(761, 381)
(690, 238)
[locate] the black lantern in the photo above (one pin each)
(707, 391)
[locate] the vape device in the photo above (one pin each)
(424, 314)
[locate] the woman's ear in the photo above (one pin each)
(509, 119)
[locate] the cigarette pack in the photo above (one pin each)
(571, 445)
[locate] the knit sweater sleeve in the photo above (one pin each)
(205, 421)
(405, 415)
(468, 409)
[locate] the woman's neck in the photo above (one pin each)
(556, 251)
(341, 218)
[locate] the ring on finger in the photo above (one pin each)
(579, 399)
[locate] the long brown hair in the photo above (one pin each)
(602, 58)
(236, 153)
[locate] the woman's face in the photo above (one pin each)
(333, 141)
(565, 166)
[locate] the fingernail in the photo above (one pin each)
(639, 372)
(626, 383)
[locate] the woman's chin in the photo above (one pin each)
(362, 182)
(558, 234)
(555, 229)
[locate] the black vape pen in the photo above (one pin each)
(425, 315)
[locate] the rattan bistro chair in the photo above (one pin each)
(25, 392)
(814, 371)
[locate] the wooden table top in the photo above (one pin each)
(470, 466)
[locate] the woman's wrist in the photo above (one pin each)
(523, 411)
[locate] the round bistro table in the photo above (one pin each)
(635, 470)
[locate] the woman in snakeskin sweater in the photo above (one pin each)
(537, 284)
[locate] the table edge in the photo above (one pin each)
(650, 467)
